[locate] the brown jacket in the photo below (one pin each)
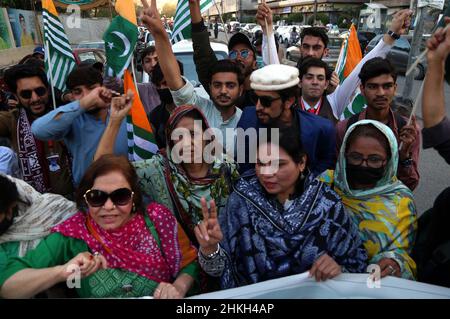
(60, 182)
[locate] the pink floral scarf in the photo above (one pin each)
(132, 247)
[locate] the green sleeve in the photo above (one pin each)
(8, 250)
(54, 250)
(193, 270)
(152, 181)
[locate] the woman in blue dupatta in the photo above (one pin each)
(279, 221)
(381, 206)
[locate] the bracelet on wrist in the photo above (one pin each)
(212, 255)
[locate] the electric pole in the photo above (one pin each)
(315, 12)
(414, 51)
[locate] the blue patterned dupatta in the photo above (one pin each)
(263, 240)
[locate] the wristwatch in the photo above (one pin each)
(393, 35)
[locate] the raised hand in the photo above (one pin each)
(100, 97)
(408, 135)
(121, 105)
(264, 14)
(439, 44)
(334, 82)
(401, 21)
(208, 232)
(152, 19)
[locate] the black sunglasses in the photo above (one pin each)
(265, 101)
(98, 198)
(40, 91)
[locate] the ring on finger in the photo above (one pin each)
(391, 269)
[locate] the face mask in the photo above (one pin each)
(165, 96)
(363, 175)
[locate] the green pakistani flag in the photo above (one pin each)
(182, 22)
(120, 41)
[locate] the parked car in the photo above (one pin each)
(399, 54)
(90, 55)
(254, 30)
(184, 53)
(334, 46)
(91, 45)
(235, 26)
(248, 29)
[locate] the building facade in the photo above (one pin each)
(241, 9)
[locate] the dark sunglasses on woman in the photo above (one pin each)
(98, 198)
(26, 94)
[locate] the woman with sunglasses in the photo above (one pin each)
(278, 222)
(380, 205)
(111, 247)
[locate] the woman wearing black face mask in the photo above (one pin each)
(160, 115)
(26, 216)
(381, 206)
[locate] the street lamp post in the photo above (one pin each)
(315, 11)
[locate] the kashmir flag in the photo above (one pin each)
(59, 59)
(182, 21)
(141, 140)
(349, 57)
(121, 38)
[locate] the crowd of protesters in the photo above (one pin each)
(309, 193)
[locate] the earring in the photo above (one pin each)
(134, 207)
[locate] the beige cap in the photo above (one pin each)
(274, 77)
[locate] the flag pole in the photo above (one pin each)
(134, 76)
(268, 35)
(50, 68)
(221, 20)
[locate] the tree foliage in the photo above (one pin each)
(169, 9)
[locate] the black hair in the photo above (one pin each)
(148, 51)
(315, 32)
(228, 66)
(158, 76)
(84, 75)
(35, 61)
(287, 93)
(313, 62)
(22, 71)
(376, 67)
(369, 130)
(288, 140)
(9, 193)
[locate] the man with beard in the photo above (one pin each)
(44, 165)
(226, 82)
(276, 87)
(378, 86)
(81, 123)
(239, 49)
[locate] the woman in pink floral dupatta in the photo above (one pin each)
(110, 246)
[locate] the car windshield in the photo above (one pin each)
(335, 43)
(188, 63)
